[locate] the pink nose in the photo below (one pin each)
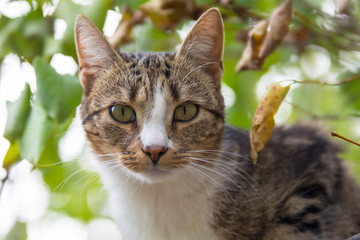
(154, 152)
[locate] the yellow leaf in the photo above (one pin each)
(263, 121)
(12, 156)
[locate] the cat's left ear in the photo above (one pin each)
(94, 52)
(205, 43)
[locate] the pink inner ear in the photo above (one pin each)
(86, 79)
(94, 52)
(87, 70)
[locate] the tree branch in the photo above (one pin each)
(347, 80)
(123, 30)
(321, 117)
(334, 134)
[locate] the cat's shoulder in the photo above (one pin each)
(297, 146)
(304, 136)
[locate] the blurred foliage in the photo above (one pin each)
(320, 31)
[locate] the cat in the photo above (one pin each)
(174, 170)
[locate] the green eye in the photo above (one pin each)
(186, 112)
(122, 113)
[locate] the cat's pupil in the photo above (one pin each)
(185, 110)
(122, 111)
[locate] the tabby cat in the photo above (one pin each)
(174, 170)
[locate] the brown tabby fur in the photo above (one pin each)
(298, 190)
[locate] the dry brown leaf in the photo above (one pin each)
(342, 6)
(263, 121)
(278, 28)
(265, 37)
(250, 57)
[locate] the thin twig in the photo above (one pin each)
(352, 78)
(334, 134)
(321, 117)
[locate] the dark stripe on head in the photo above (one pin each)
(92, 133)
(174, 91)
(216, 113)
(90, 116)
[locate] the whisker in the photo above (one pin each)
(90, 180)
(205, 187)
(235, 166)
(67, 163)
(221, 153)
(202, 65)
(183, 58)
(106, 155)
(62, 184)
(80, 179)
(211, 180)
(226, 177)
(226, 168)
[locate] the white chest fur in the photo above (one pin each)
(176, 209)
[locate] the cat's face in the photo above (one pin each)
(149, 115)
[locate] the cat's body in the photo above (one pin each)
(298, 197)
(174, 171)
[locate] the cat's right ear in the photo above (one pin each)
(94, 52)
(205, 44)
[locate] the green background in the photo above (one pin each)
(38, 120)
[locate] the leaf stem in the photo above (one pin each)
(346, 80)
(334, 134)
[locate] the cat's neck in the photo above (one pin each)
(174, 209)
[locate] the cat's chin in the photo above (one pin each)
(156, 175)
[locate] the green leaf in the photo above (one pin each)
(25, 35)
(18, 232)
(18, 112)
(12, 156)
(8, 27)
(36, 134)
(134, 4)
(58, 94)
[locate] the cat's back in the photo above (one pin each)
(299, 188)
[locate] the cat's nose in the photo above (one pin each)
(154, 152)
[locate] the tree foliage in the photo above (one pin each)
(318, 48)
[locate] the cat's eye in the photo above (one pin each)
(122, 113)
(186, 112)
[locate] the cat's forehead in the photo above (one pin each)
(148, 60)
(148, 73)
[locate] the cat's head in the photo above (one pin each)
(150, 115)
